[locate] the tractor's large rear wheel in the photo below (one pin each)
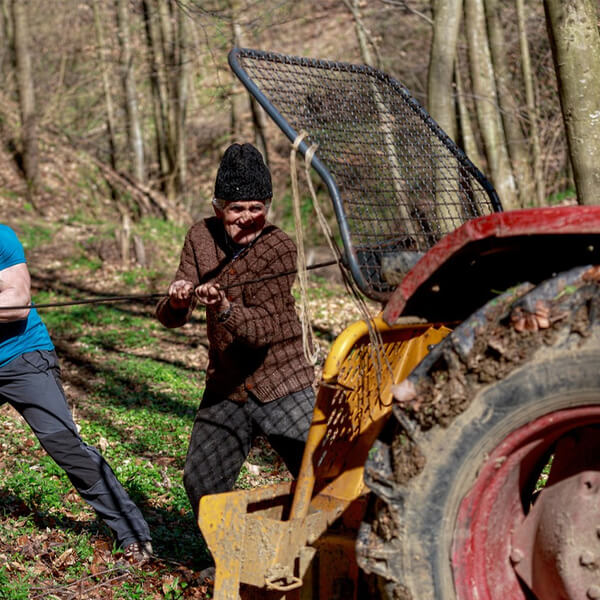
(460, 514)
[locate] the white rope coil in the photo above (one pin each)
(310, 347)
(376, 348)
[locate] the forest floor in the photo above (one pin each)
(133, 387)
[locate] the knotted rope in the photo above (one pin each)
(310, 347)
(376, 347)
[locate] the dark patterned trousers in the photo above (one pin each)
(31, 384)
(223, 433)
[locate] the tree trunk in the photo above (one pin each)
(573, 30)
(532, 112)
(440, 98)
(383, 111)
(6, 58)
(168, 44)
(181, 97)
(259, 125)
(236, 91)
(26, 96)
(469, 143)
(134, 128)
(157, 86)
(110, 118)
(488, 115)
(256, 111)
(440, 94)
(368, 47)
(518, 145)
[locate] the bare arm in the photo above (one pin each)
(15, 290)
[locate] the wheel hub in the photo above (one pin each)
(503, 547)
(556, 550)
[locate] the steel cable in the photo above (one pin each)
(108, 299)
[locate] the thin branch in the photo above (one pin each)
(67, 587)
(404, 5)
(368, 38)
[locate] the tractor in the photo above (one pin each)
(454, 447)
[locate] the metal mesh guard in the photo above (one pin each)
(397, 181)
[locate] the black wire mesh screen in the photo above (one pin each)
(399, 182)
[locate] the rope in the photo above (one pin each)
(108, 299)
(376, 349)
(100, 300)
(309, 346)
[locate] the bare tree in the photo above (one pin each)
(26, 95)
(6, 49)
(134, 128)
(469, 143)
(110, 117)
(236, 90)
(370, 57)
(532, 111)
(256, 112)
(181, 74)
(573, 29)
(368, 47)
(440, 94)
(518, 145)
(486, 101)
(159, 95)
(167, 45)
(167, 32)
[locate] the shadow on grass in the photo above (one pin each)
(15, 507)
(175, 537)
(93, 378)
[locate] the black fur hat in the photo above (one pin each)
(243, 175)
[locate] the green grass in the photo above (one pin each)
(137, 277)
(85, 262)
(543, 477)
(11, 588)
(159, 231)
(32, 236)
(559, 197)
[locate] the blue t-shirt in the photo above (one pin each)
(26, 335)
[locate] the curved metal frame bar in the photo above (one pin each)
(234, 61)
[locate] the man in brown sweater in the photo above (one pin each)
(258, 380)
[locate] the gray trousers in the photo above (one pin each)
(31, 384)
(223, 432)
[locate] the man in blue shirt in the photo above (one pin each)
(30, 382)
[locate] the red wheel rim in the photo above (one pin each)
(493, 508)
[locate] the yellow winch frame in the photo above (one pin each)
(296, 539)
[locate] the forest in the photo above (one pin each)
(113, 117)
(142, 90)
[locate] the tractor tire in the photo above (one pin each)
(456, 472)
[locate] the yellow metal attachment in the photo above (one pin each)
(281, 579)
(270, 538)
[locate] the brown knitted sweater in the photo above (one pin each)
(258, 346)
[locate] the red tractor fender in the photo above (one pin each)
(489, 254)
